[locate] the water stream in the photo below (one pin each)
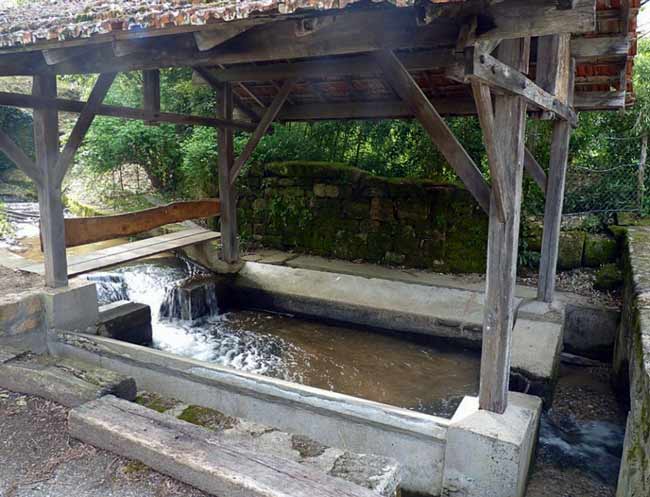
(381, 367)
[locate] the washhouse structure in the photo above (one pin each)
(305, 60)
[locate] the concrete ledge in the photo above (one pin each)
(194, 455)
(23, 323)
(488, 454)
(406, 307)
(415, 440)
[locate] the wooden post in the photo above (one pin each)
(562, 84)
(508, 138)
(227, 190)
(151, 93)
(46, 144)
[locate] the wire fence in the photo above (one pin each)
(605, 190)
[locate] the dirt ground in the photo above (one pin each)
(39, 459)
(12, 281)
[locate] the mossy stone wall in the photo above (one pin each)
(340, 211)
(632, 365)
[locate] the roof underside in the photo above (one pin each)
(604, 57)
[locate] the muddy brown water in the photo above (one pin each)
(428, 377)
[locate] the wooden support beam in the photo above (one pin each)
(208, 76)
(605, 100)
(553, 61)
(499, 313)
(496, 74)
(151, 92)
(601, 47)
(83, 230)
(358, 65)
(46, 145)
(57, 55)
(560, 140)
(389, 109)
(227, 191)
(84, 121)
(535, 171)
(500, 188)
(408, 90)
(262, 128)
(18, 157)
(207, 40)
(76, 106)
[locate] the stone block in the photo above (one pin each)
(590, 331)
(67, 382)
(126, 321)
(572, 245)
(489, 454)
(381, 209)
(326, 191)
(599, 250)
(73, 307)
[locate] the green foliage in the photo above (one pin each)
(5, 227)
(18, 125)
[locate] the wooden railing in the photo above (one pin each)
(83, 230)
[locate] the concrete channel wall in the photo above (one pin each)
(632, 365)
(416, 440)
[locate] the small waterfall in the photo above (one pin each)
(111, 287)
(191, 299)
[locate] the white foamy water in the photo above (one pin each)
(23, 218)
(211, 339)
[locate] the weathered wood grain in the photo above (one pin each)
(533, 168)
(50, 204)
(503, 237)
(151, 92)
(560, 139)
(227, 190)
(83, 230)
(20, 158)
(194, 456)
(76, 106)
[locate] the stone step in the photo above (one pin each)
(67, 382)
(201, 457)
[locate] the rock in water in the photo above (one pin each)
(192, 298)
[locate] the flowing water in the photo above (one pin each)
(381, 367)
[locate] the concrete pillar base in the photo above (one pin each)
(488, 454)
(72, 308)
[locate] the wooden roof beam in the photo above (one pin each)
(358, 65)
(76, 106)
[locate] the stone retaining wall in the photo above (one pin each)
(339, 211)
(23, 321)
(632, 364)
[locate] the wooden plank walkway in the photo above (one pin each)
(127, 252)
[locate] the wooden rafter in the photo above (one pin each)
(76, 106)
(409, 91)
(263, 126)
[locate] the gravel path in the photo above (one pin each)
(39, 459)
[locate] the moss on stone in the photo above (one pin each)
(133, 467)
(155, 402)
(608, 277)
(571, 248)
(599, 250)
(207, 418)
